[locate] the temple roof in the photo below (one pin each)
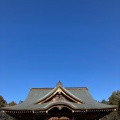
(44, 98)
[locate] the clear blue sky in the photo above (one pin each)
(74, 41)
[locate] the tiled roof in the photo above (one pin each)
(36, 94)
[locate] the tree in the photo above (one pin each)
(104, 102)
(12, 103)
(114, 98)
(2, 102)
(20, 102)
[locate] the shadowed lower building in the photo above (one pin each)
(59, 103)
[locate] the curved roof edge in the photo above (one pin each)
(59, 85)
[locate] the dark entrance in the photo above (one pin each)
(60, 113)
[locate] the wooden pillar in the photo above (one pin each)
(71, 118)
(45, 117)
(33, 117)
(97, 118)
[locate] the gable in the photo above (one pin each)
(60, 94)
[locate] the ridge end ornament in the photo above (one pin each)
(59, 84)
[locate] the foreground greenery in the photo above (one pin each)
(114, 99)
(4, 116)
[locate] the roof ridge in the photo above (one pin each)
(81, 88)
(41, 88)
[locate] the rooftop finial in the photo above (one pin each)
(59, 84)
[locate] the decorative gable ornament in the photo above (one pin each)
(59, 94)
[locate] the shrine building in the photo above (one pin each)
(59, 103)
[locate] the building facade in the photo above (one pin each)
(59, 103)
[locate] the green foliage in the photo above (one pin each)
(4, 116)
(2, 102)
(12, 103)
(105, 102)
(20, 102)
(114, 98)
